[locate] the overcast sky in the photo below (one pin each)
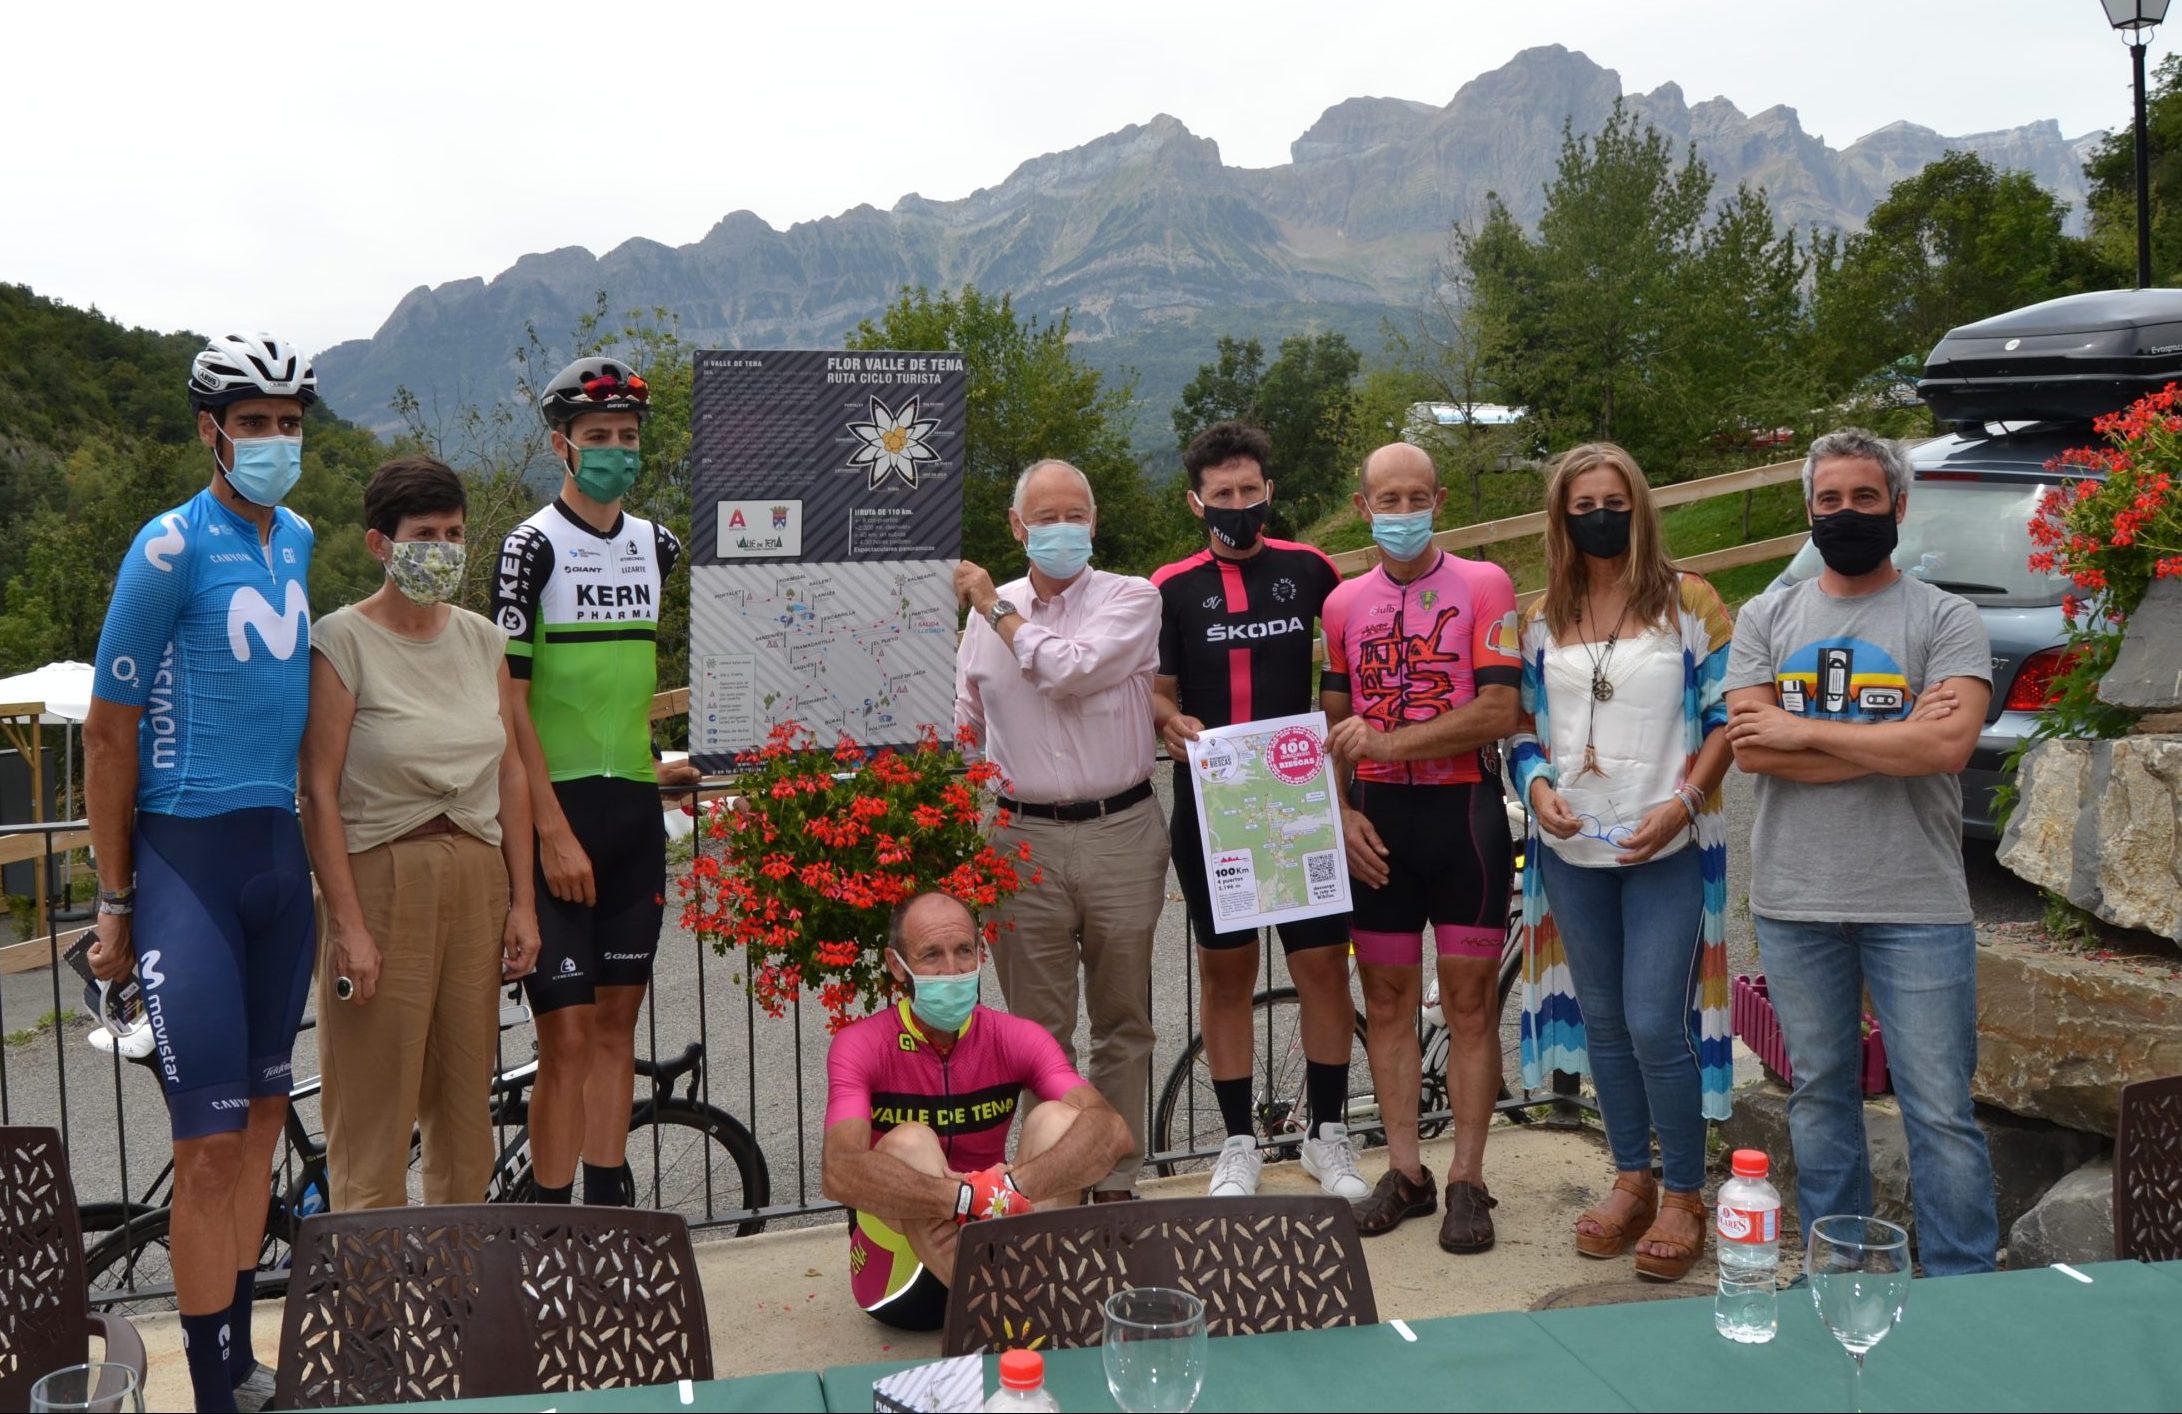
(213, 168)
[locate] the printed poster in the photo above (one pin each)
(1269, 822)
(825, 522)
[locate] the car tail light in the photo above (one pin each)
(2034, 682)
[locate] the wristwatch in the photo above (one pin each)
(1001, 609)
(117, 900)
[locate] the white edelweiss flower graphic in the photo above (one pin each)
(893, 443)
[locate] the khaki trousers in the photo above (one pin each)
(1097, 905)
(420, 1052)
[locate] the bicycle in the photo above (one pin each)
(678, 1167)
(1187, 1120)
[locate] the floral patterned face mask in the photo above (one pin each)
(428, 571)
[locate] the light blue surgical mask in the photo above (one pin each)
(265, 469)
(1402, 537)
(943, 1001)
(1059, 550)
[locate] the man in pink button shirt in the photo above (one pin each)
(1055, 678)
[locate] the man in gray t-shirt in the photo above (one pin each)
(1855, 698)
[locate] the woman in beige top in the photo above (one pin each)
(417, 816)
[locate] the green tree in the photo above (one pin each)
(1957, 242)
(1743, 347)
(1029, 398)
(1585, 316)
(1225, 390)
(2112, 175)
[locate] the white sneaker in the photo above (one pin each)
(1331, 1159)
(1235, 1174)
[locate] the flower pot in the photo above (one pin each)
(1757, 1026)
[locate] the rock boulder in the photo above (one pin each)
(2059, 1034)
(2100, 823)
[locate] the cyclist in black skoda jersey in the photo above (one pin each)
(1235, 641)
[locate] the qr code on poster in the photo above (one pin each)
(1320, 876)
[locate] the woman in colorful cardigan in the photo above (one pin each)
(1620, 756)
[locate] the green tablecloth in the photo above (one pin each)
(2034, 1339)
(1495, 1361)
(2014, 1340)
(759, 1394)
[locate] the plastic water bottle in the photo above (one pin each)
(1023, 1384)
(1746, 1309)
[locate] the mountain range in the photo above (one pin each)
(1155, 244)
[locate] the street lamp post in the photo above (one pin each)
(2136, 19)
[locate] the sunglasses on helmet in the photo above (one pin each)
(606, 387)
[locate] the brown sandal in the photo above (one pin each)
(1616, 1234)
(1678, 1266)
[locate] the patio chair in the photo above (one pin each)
(2148, 1172)
(45, 1320)
(1271, 1264)
(397, 1305)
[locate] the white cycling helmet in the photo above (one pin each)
(237, 366)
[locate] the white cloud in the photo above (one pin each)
(301, 168)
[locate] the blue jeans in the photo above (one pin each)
(1631, 936)
(1923, 982)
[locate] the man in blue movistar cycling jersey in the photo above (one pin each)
(190, 779)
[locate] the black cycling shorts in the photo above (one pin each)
(622, 828)
(1450, 864)
(1326, 931)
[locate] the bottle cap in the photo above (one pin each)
(1750, 1163)
(1022, 1369)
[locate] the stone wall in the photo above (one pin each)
(2100, 823)
(2060, 1034)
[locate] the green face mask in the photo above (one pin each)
(605, 473)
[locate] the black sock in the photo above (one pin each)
(1234, 1097)
(241, 1359)
(204, 1345)
(1327, 1088)
(564, 1194)
(606, 1187)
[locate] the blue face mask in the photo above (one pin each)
(1402, 537)
(265, 469)
(942, 1002)
(1060, 550)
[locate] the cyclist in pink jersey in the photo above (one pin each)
(919, 1101)
(1422, 680)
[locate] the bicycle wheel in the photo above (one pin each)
(131, 1259)
(1188, 1120)
(696, 1160)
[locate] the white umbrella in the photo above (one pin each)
(63, 689)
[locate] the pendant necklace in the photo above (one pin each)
(1602, 691)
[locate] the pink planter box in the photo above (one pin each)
(1758, 1027)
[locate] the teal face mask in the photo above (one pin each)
(1060, 550)
(265, 469)
(1402, 537)
(942, 1002)
(605, 473)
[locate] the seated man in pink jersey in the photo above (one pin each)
(919, 1099)
(1423, 672)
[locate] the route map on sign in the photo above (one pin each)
(826, 515)
(1268, 822)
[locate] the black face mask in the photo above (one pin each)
(1854, 543)
(1236, 528)
(1603, 532)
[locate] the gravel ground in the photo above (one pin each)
(756, 1061)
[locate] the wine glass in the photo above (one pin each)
(1155, 1349)
(100, 1386)
(1859, 1271)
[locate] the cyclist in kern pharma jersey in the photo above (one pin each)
(1235, 646)
(578, 590)
(1422, 678)
(201, 687)
(919, 1101)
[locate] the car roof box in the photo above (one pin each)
(2072, 358)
